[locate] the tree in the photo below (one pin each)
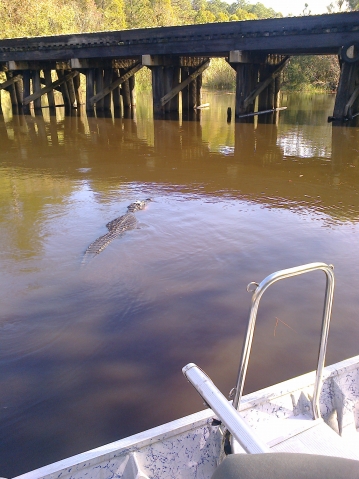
(138, 14)
(242, 14)
(183, 12)
(343, 6)
(204, 16)
(308, 73)
(353, 4)
(114, 15)
(261, 11)
(162, 12)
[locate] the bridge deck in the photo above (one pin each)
(320, 34)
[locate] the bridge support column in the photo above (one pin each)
(116, 95)
(90, 90)
(126, 93)
(36, 88)
(99, 88)
(347, 100)
(26, 77)
(27, 80)
(132, 83)
(107, 81)
(170, 75)
(11, 90)
(256, 77)
(192, 93)
(269, 98)
(165, 78)
(246, 65)
(50, 94)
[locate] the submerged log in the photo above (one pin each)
(262, 112)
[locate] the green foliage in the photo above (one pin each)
(163, 14)
(353, 4)
(220, 75)
(343, 6)
(204, 16)
(312, 73)
(138, 14)
(48, 17)
(242, 14)
(257, 9)
(260, 11)
(113, 13)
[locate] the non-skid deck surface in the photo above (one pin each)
(321, 439)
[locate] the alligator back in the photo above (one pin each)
(117, 227)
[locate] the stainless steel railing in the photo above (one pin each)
(258, 290)
(224, 410)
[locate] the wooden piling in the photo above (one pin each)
(277, 85)
(71, 90)
(157, 89)
(50, 94)
(126, 94)
(192, 93)
(171, 79)
(199, 90)
(185, 91)
(11, 90)
(19, 91)
(347, 99)
(246, 80)
(107, 80)
(77, 84)
(264, 97)
(36, 87)
(90, 89)
(64, 91)
(132, 84)
(26, 79)
(99, 88)
(116, 95)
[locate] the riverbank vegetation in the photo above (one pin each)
(51, 17)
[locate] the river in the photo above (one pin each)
(91, 349)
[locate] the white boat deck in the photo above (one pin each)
(190, 447)
(320, 439)
(301, 434)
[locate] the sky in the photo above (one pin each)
(296, 7)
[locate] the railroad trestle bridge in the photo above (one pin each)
(258, 50)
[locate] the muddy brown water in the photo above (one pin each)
(91, 352)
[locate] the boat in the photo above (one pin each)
(303, 427)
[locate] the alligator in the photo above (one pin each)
(117, 227)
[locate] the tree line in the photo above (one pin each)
(21, 18)
(50, 17)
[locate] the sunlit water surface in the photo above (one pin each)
(91, 351)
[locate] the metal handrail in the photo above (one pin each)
(224, 410)
(256, 297)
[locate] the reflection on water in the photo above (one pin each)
(92, 353)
